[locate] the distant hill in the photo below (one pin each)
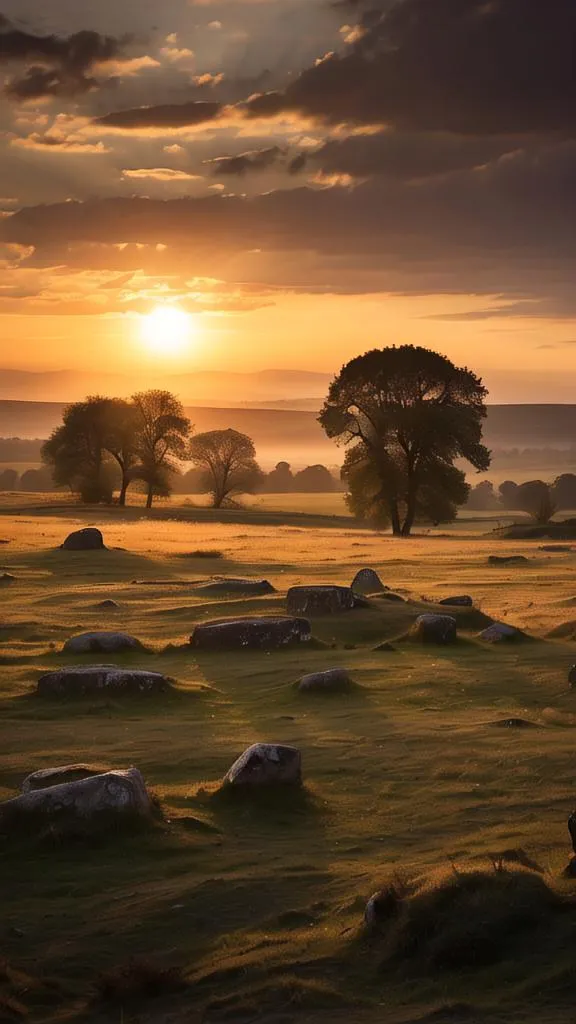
(295, 435)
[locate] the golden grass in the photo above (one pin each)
(260, 907)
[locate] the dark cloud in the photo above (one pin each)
(55, 66)
(464, 66)
(165, 115)
(254, 160)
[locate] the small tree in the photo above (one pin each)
(564, 491)
(314, 480)
(508, 491)
(535, 497)
(8, 480)
(482, 497)
(162, 429)
(407, 414)
(280, 480)
(120, 440)
(227, 459)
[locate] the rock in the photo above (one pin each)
(332, 680)
(89, 539)
(252, 588)
(266, 764)
(507, 560)
(78, 681)
(87, 643)
(572, 829)
(513, 723)
(385, 646)
(319, 600)
(6, 578)
(108, 603)
(263, 633)
(572, 676)
(381, 907)
(463, 601)
(367, 581)
(434, 629)
(560, 548)
(498, 632)
(116, 792)
(47, 777)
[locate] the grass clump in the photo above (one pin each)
(203, 553)
(138, 980)
(460, 920)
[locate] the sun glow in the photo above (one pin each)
(167, 330)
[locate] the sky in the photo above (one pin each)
(307, 179)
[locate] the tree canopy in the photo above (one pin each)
(227, 460)
(406, 414)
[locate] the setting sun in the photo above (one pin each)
(166, 330)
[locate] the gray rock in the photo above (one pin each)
(266, 764)
(89, 539)
(507, 560)
(108, 603)
(319, 600)
(367, 581)
(223, 587)
(88, 643)
(462, 601)
(47, 777)
(498, 632)
(332, 680)
(97, 679)
(262, 633)
(116, 792)
(434, 629)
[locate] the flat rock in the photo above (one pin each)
(108, 603)
(249, 588)
(434, 629)
(47, 777)
(116, 792)
(332, 680)
(266, 764)
(88, 643)
(461, 601)
(367, 581)
(513, 723)
(507, 560)
(261, 633)
(319, 600)
(89, 539)
(498, 632)
(384, 646)
(79, 681)
(560, 548)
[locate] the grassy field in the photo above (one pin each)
(260, 907)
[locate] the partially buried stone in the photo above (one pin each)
(108, 603)
(47, 777)
(251, 588)
(324, 599)
(266, 764)
(507, 560)
(572, 676)
(262, 633)
(89, 539)
(86, 643)
(367, 581)
(461, 601)
(79, 681)
(434, 629)
(499, 632)
(332, 680)
(121, 793)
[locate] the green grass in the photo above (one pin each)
(258, 908)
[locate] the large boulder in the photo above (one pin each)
(367, 581)
(44, 778)
(78, 681)
(92, 643)
(89, 539)
(507, 560)
(434, 629)
(332, 680)
(232, 587)
(263, 633)
(121, 793)
(319, 600)
(499, 632)
(461, 601)
(266, 764)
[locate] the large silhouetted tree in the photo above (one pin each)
(406, 414)
(162, 430)
(76, 450)
(227, 459)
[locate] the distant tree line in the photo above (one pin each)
(535, 497)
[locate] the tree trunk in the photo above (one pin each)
(123, 489)
(149, 496)
(395, 519)
(410, 510)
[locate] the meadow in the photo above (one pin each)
(253, 911)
